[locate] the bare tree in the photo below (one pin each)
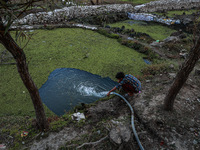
(20, 58)
(183, 74)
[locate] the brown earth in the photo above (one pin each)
(157, 129)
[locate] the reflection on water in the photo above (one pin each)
(68, 87)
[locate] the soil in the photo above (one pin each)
(167, 130)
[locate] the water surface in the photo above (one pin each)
(68, 87)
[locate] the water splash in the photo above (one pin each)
(90, 91)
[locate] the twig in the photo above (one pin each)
(93, 143)
(36, 136)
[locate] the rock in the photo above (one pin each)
(183, 55)
(148, 81)
(183, 51)
(171, 39)
(102, 109)
(197, 72)
(123, 27)
(186, 21)
(195, 142)
(182, 36)
(192, 129)
(120, 134)
(172, 75)
(107, 26)
(171, 66)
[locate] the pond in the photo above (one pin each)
(69, 87)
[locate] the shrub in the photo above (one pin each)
(155, 69)
(108, 33)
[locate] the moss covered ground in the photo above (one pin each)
(173, 13)
(156, 31)
(63, 48)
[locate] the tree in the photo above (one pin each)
(20, 58)
(183, 74)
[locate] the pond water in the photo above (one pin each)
(69, 87)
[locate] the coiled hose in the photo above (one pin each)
(132, 119)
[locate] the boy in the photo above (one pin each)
(129, 83)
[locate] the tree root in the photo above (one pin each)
(93, 143)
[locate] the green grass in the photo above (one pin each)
(63, 48)
(156, 31)
(178, 12)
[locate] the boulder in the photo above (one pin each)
(171, 39)
(197, 72)
(120, 134)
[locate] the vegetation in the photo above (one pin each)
(156, 31)
(91, 52)
(71, 48)
(173, 13)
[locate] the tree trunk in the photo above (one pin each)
(22, 67)
(92, 2)
(182, 75)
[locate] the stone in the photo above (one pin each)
(172, 75)
(120, 134)
(171, 39)
(186, 21)
(115, 137)
(107, 26)
(197, 72)
(182, 36)
(148, 81)
(183, 51)
(192, 129)
(195, 142)
(171, 66)
(183, 55)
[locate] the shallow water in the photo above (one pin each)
(68, 87)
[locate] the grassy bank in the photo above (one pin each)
(63, 48)
(173, 13)
(156, 31)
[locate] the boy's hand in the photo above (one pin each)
(108, 94)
